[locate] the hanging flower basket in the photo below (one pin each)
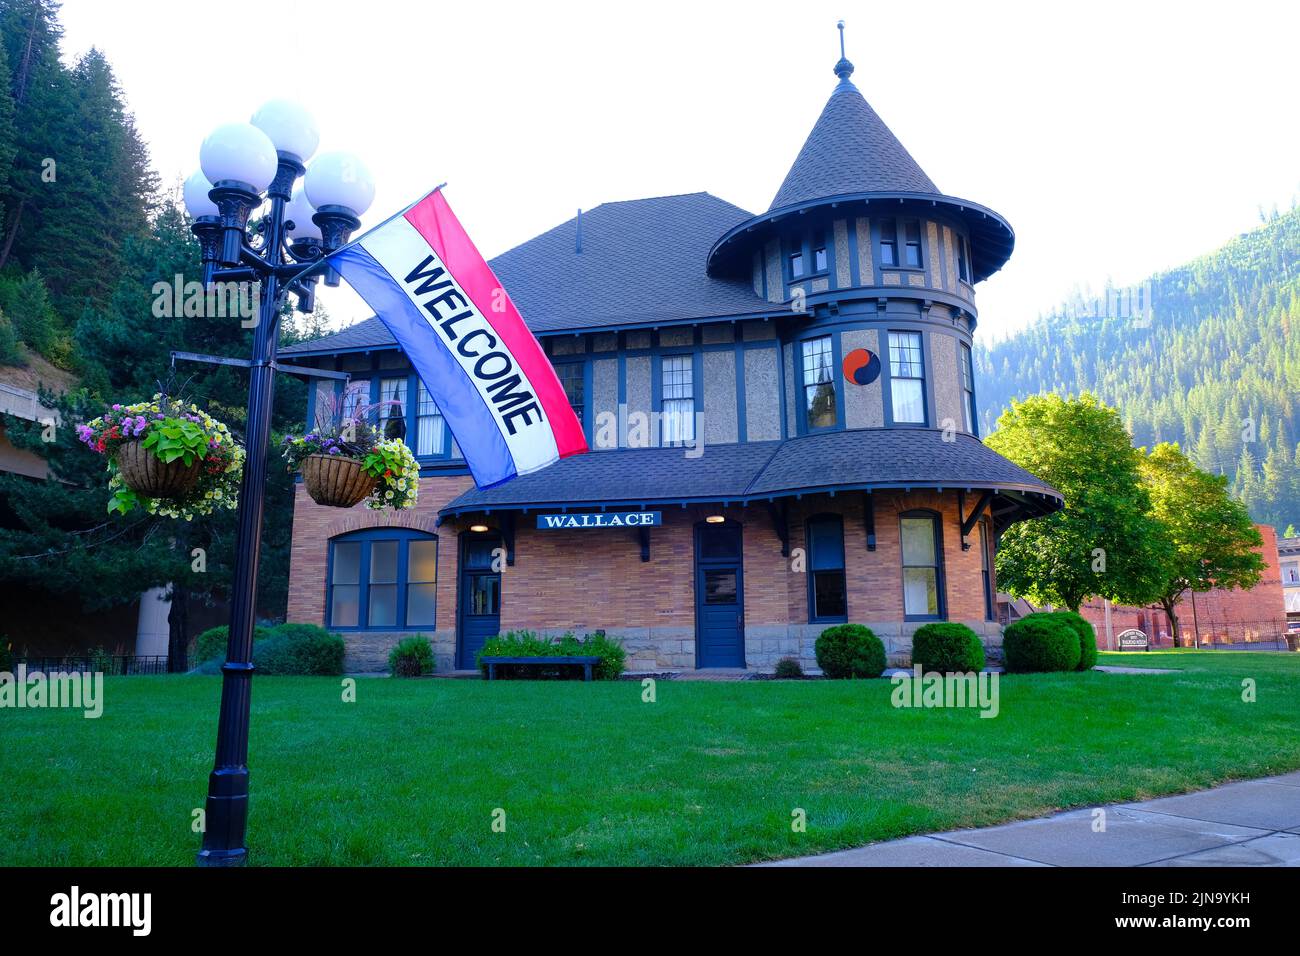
(146, 474)
(167, 457)
(336, 481)
(348, 461)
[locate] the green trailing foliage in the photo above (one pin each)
(947, 648)
(412, 657)
(1041, 642)
(850, 650)
(613, 658)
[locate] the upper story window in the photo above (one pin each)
(382, 579)
(356, 395)
(908, 233)
(1291, 572)
(889, 243)
(820, 262)
(907, 378)
(677, 383)
(912, 243)
(428, 424)
(963, 259)
(392, 410)
(819, 383)
(827, 590)
(573, 376)
(967, 389)
(922, 565)
(797, 270)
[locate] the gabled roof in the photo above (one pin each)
(641, 262)
(851, 459)
(850, 150)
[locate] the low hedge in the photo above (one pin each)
(1043, 641)
(529, 644)
(211, 644)
(947, 648)
(788, 668)
(287, 650)
(412, 657)
(1087, 638)
(850, 650)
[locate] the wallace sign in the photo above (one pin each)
(602, 519)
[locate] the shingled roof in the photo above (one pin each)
(641, 262)
(855, 458)
(850, 150)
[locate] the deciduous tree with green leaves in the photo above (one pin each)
(1103, 542)
(1212, 541)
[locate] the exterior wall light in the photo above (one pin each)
(480, 528)
(715, 519)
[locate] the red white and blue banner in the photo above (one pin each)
(483, 368)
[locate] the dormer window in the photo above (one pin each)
(796, 265)
(819, 259)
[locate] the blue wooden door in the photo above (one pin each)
(480, 597)
(719, 597)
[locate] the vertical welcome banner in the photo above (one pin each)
(482, 366)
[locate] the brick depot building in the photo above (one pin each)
(781, 412)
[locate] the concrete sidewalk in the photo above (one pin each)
(1253, 823)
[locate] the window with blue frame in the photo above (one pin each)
(827, 588)
(382, 579)
(573, 377)
(922, 549)
(429, 439)
(968, 388)
(677, 399)
(819, 383)
(907, 378)
(392, 406)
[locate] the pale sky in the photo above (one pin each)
(1118, 139)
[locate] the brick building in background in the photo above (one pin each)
(781, 414)
(1229, 616)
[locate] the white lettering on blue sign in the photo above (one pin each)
(601, 519)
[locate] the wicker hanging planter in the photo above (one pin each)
(146, 474)
(335, 481)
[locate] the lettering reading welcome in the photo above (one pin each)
(480, 364)
(447, 307)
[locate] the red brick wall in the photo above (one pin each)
(583, 580)
(314, 525)
(1223, 616)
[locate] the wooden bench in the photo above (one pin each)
(586, 663)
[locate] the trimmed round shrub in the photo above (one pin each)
(211, 644)
(1043, 641)
(947, 648)
(850, 650)
(311, 650)
(412, 657)
(788, 668)
(1087, 638)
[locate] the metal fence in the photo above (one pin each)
(110, 664)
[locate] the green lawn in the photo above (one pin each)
(587, 773)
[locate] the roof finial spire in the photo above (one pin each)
(843, 69)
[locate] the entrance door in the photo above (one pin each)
(719, 597)
(480, 597)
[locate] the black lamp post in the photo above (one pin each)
(247, 167)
